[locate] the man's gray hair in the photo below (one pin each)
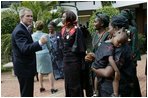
(22, 11)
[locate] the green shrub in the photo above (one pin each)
(5, 69)
(6, 44)
(8, 21)
(142, 43)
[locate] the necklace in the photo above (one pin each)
(100, 37)
(69, 32)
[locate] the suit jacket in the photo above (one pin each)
(23, 48)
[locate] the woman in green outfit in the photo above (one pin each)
(101, 23)
(133, 34)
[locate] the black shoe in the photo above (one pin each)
(62, 77)
(59, 78)
(42, 90)
(54, 90)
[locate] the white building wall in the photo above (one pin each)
(82, 6)
(89, 5)
(70, 8)
(126, 3)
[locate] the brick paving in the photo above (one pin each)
(10, 86)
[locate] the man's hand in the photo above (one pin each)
(44, 39)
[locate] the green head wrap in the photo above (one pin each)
(104, 18)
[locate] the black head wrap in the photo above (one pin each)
(119, 21)
(52, 23)
(127, 13)
(104, 18)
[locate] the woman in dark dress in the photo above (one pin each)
(124, 62)
(100, 23)
(73, 52)
(104, 56)
(133, 36)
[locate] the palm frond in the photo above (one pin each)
(6, 44)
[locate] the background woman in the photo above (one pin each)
(43, 58)
(56, 51)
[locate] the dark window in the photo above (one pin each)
(94, 2)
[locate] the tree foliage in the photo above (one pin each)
(40, 9)
(106, 3)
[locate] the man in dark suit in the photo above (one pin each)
(23, 48)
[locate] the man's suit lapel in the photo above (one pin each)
(24, 28)
(26, 31)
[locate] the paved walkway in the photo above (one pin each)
(10, 86)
